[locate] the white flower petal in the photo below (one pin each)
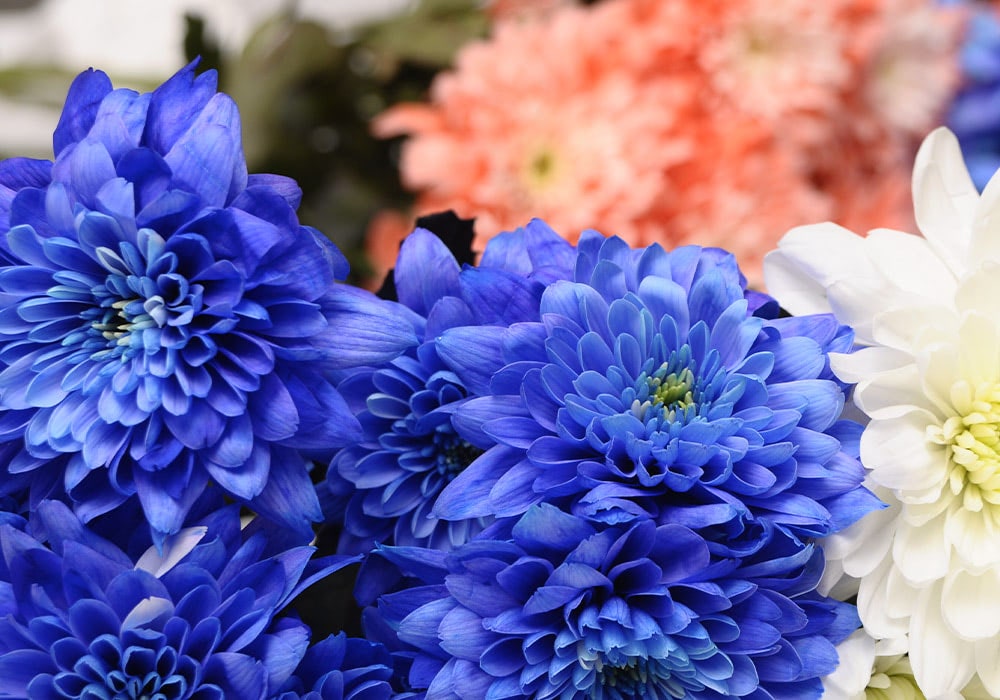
(851, 301)
(800, 293)
(175, 548)
(854, 670)
(975, 538)
(979, 351)
(985, 239)
(988, 664)
(941, 662)
(892, 393)
(980, 291)
(899, 454)
(866, 363)
(868, 541)
(896, 646)
(970, 604)
(909, 328)
(921, 554)
(873, 595)
(147, 610)
(909, 263)
(944, 198)
(939, 376)
(808, 260)
(903, 598)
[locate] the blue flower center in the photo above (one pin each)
(453, 453)
(634, 679)
(677, 391)
(671, 393)
(114, 671)
(143, 305)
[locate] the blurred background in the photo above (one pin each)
(717, 122)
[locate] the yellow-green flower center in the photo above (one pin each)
(973, 441)
(673, 391)
(541, 169)
(892, 679)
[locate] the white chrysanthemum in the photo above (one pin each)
(871, 671)
(881, 670)
(928, 310)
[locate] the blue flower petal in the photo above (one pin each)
(422, 251)
(82, 103)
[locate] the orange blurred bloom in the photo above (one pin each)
(718, 122)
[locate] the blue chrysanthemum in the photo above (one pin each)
(412, 449)
(164, 318)
(341, 668)
(649, 389)
(80, 619)
(564, 608)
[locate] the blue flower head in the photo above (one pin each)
(165, 321)
(411, 449)
(650, 389)
(198, 618)
(564, 608)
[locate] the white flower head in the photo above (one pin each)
(926, 311)
(881, 670)
(870, 670)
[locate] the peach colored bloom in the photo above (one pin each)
(522, 9)
(720, 122)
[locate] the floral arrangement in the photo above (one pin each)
(577, 465)
(728, 129)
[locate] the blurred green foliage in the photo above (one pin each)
(307, 95)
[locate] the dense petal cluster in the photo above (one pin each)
(198, 619)
(721, 131)
(926, 309)
(561, 608)
(341, 668)
(412, 447)
(166, 320)
(659, 454)
(649, 389)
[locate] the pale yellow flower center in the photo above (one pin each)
(541, 168)
(973, 442)
(670, 392)
(892, 679)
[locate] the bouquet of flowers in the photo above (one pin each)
(597, 469)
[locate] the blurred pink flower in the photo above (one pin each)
(719, 122)
(522, 9)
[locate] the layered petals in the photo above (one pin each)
(648, 388)
(929, 386)
(414, 409)
(562, 608)
(166, 318)
(196, 618)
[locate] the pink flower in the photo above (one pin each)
(743, 119)
(522, 9)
